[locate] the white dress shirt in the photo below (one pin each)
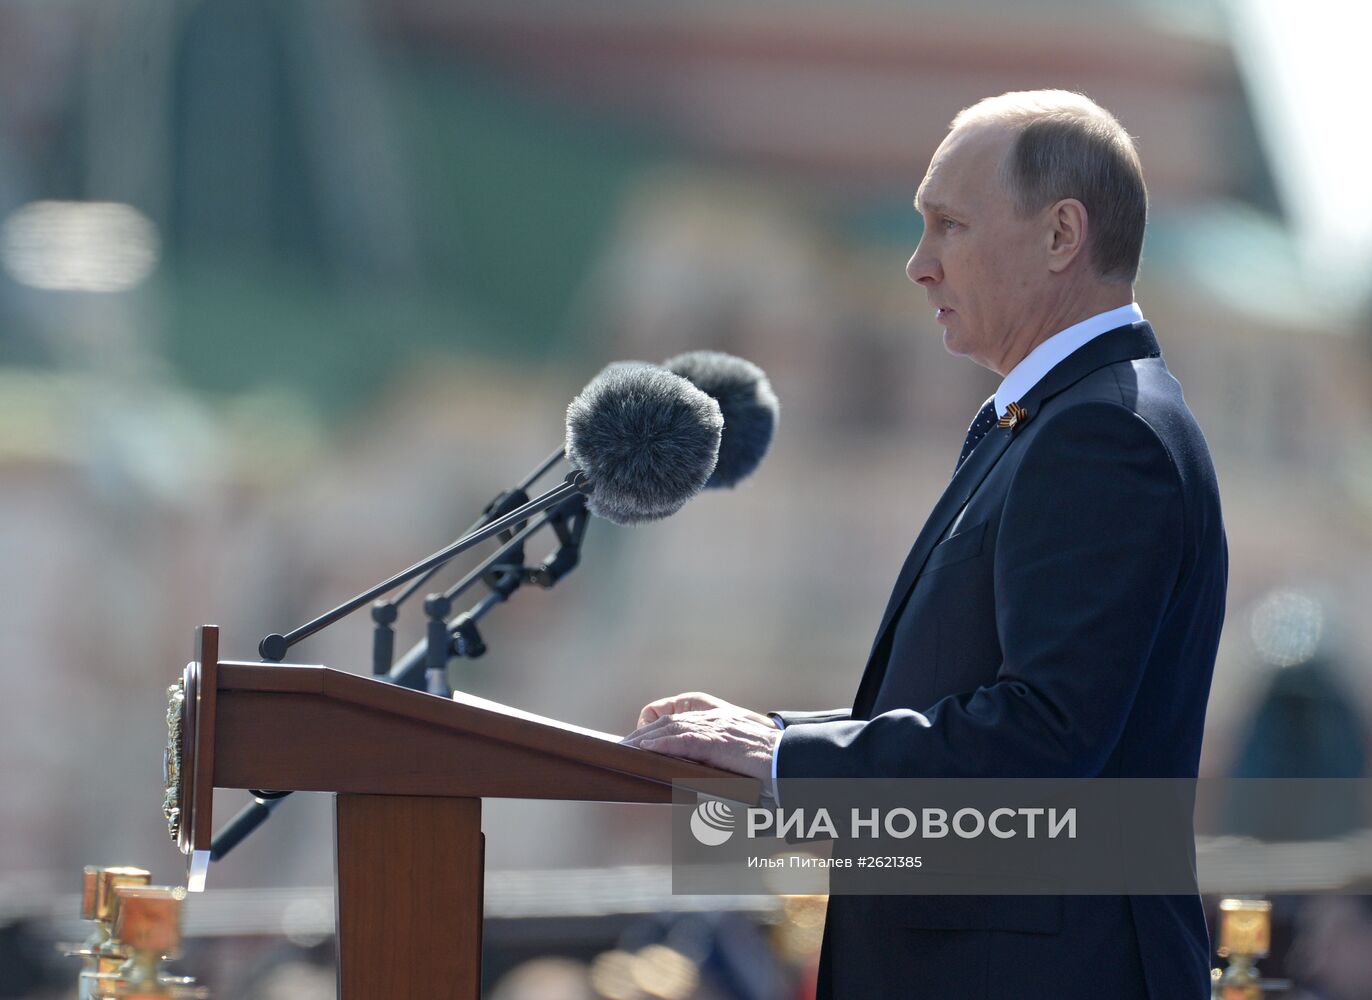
(1042, 359)
(1023, 377)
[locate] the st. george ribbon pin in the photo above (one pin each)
(1014, 416)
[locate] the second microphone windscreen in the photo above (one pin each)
(747, 402)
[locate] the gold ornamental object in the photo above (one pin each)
(102, 951)
(1245, 928)
(97, 896)
(148, 920)
(135, 927)
(1245, 937)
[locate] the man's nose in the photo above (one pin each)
(923, 268)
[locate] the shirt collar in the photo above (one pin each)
(1042, 359)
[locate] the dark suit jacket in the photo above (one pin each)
(1058, 616)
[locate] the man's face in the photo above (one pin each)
(981, 264)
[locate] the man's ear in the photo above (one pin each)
(1067, 224)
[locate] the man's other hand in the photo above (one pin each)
(692, 701)
(701, 727)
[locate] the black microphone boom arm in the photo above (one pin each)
(274, 646)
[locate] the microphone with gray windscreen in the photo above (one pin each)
(647, 440)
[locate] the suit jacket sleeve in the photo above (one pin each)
(1087, 555)
(804, 718)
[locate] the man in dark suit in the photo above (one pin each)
(1059, 613)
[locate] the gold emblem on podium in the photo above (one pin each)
(171, 760)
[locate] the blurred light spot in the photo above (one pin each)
(1287, 626)
(801, 931)
(306, 922)
(612, 976)
(297, 981)
(805, 911)
(79, 246)
(664, 972)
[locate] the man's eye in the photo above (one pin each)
(947, 224)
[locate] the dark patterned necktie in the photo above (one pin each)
(983, 422)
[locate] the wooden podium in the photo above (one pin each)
(409, 771)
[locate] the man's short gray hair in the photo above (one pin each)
(1068, 146)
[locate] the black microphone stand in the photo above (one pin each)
(274, 647)
(385, 612)
(459, 637)
(502, 572)
(568, 517)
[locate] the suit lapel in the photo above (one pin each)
(981, 461)
(965, 482)
(1122, 344)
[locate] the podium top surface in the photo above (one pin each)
(299, 727)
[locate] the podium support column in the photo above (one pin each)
(410, 873)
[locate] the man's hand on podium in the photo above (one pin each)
(707, 729)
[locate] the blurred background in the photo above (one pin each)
(290, 290)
